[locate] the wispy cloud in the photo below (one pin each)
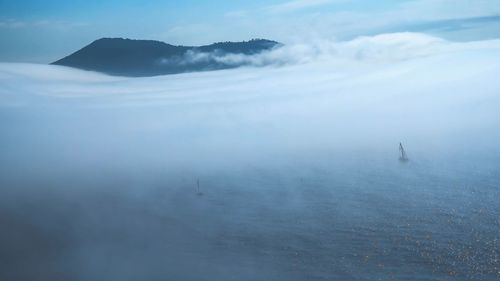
(447, 9)
(298, 5)
(44, 23)
(281, 8)
(448, 25)
(11, 23)
(323, 19)
(236, 14)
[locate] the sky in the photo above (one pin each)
(44, 31)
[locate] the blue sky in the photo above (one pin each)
(42, 31)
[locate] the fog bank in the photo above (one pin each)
(297, 155)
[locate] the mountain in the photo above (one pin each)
(126, 57)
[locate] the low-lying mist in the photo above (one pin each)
(297, 159)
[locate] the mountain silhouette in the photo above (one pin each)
(135, 58)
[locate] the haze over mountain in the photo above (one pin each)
(126, 57)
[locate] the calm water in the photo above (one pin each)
(356, 219)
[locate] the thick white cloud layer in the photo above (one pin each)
(329, 97)
(383, 48)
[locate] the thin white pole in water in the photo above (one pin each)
(403, 156)
(198, 187)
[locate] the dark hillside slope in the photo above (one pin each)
(126, 57)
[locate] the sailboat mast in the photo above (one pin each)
(403, 153)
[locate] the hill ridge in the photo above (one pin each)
(137, 57)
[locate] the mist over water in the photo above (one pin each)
(297, 162)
